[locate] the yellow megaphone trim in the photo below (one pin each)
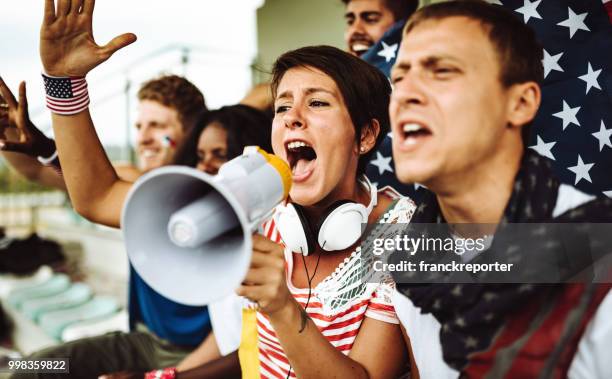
(282, 167)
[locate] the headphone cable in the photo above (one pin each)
(309, 279)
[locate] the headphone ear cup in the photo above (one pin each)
(306, 229)
(294, 229)
(342, 225)
(328, 211)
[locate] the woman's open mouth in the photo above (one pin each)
(302, 159)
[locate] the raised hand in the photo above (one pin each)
(67, 45)
(14, 120)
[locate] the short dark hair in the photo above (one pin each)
(365, 89)
(518, 51)
(243, 124)
(178, 93)
(401, 9)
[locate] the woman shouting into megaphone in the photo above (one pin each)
(316, 316)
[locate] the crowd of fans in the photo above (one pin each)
(458, 103)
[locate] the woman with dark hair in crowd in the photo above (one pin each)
(318, 315)
(220, 135)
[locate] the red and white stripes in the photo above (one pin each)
(340, 327)
(66, 95)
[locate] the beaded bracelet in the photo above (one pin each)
(166, 373)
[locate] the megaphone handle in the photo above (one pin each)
(249, 304)
(257, 225)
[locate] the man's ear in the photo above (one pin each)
(369, 133)
(524, 103)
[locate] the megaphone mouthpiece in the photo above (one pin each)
(283, 169)
(201, 221)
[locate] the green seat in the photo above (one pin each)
(75, 295)
(54, 322)
(56, 284)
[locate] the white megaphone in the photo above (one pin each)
(188, 234)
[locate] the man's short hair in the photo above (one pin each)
(518, 50)
(365, 90)
(401, 9)
(178, 93)
(516, 45)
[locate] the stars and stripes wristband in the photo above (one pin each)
(166, 373)
(66, 95)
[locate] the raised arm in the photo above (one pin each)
(68, 50)
(21, 142)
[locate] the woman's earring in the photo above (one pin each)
(363, 150)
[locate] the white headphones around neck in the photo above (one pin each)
(341, 224)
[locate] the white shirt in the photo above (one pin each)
(226, 320)
(424, 333)
(593, 357)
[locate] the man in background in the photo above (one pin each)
(368, 24)
(368, 20)
(167, 108)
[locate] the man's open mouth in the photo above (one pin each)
(414, 130)
(360, 46)
(148, 153)
(413, 134)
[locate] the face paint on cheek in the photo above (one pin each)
(168, 148)
(168, 142)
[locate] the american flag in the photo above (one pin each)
(574, 124)
(66, 95)
(381, 169)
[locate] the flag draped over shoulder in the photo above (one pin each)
(574, 124)
(381, 169)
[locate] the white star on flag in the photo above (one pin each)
(498, 2)
(471, 342)
(581, 170)
(568, 115)
(383, 164)
(525, 288)
(460, 322)
(543, 148)
(529, 10)
(575, 22)
(608, 193)
(603, 135)
(551, 62)
(591, 78)
(388, 52)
